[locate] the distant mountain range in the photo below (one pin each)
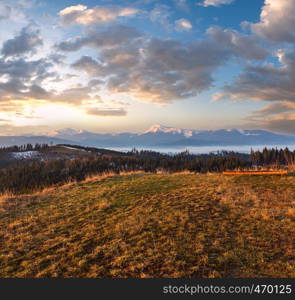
(156, 136)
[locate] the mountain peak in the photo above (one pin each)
(157, 128)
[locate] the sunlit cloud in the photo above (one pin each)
(216, 2)
(265, 83)
(26, 42)
(116, 112)
(277, 21)
(183, 25)
(80, 14)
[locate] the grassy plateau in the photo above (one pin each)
(152, 225)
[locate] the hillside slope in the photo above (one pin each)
(180, 225)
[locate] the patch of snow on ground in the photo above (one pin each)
(25, 154)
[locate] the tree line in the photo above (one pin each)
(275, 157)
(36, 175)
(23, 148)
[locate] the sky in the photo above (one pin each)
(122, 66)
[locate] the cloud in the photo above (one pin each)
(267, 82)
(57, 58)
(24, 80)
(216, 2)
(87, 64)
(107, 112)
(74, 96)
(241, 45)
(183, 25)
(284, 123)
(277, 116)
(26, 42)
(111, 61)
(80, 14)
(113, 36)
(23, 69)
(72, 9)
(274, 120)
(17, 91)
(274, 109)
(155, 70)
(277, 21)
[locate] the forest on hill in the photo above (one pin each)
(27, 175)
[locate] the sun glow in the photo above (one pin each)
(58, 112)
(33, 114)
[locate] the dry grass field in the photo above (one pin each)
(144, 225)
